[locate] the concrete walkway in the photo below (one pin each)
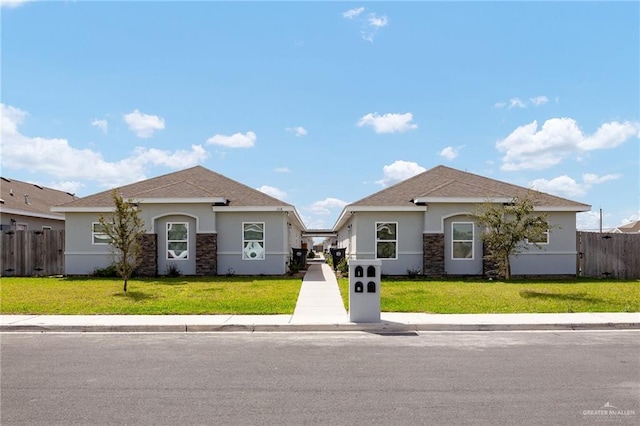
(319, 301)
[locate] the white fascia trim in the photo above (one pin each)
(457, 200)
(83, 209)
(561, 209)
(386, 208)
(223, 209)
(5, 210)
(208, 200)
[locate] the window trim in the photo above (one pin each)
(541, 243)
(377, 240)
(186, 225)
(472, 240)
(263, 240)
(107, 240)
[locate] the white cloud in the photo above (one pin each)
(450, 152)
(101, 124)
(353, 13)
(399, 171)
(539, 100)
(370, 25)
(593, 179)
(274, 192)
(568, 187)
(516, 103)
(282, 170)
(561, 185)
(71, 187)
(58, 159)
(13, 3)
(298, 131)
(143, 125)
(323, 207)
(378, 21)
(237, 140)
(529, 148)
(388, 123)
(500, 105)
(588, 221)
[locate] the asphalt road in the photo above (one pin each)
(329, 379)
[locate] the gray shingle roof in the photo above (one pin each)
(445, 182)
(195, 182)
(38, 200)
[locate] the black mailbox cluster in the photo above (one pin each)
(359, 273)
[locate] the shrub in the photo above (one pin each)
(311, 255)
(414, 273)
(343, 266)
(106, 272)
(172, 271)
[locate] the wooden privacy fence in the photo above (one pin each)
(32, 253)
(608, 255)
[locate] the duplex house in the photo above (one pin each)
(426, 224)
(196, 220)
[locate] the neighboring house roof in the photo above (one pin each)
(189, 185)
(443, 184)
(28, 199)
(628, 228)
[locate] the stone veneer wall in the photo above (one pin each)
(489, 267)
(149, 256)
(433, 254)
(206, 254)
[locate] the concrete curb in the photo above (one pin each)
(377, 328)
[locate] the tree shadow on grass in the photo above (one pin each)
(136, 296)
(576, 297)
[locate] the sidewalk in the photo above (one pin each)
(319, 308)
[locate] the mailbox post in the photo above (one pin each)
(364, 290)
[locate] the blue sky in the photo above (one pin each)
(323, 103)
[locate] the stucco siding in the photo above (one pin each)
(409, 239)
(82, 257)
(32, 223)
(230, 240)
(558, 257)
(187, 265)
(470, 266)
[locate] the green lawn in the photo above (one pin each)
(164, 296)
(473, 297)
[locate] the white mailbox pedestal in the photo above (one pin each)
(364, 290)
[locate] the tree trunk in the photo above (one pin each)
(507, 268)
(125, 285)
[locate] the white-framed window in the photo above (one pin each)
(462, 240)
(98, 236)
(544, 239)
(177, 241)
(253, 241)
(386, 240)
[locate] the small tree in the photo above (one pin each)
(506, 227)
(124, 229)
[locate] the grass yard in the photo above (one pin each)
(474, 297)
(163, 296)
